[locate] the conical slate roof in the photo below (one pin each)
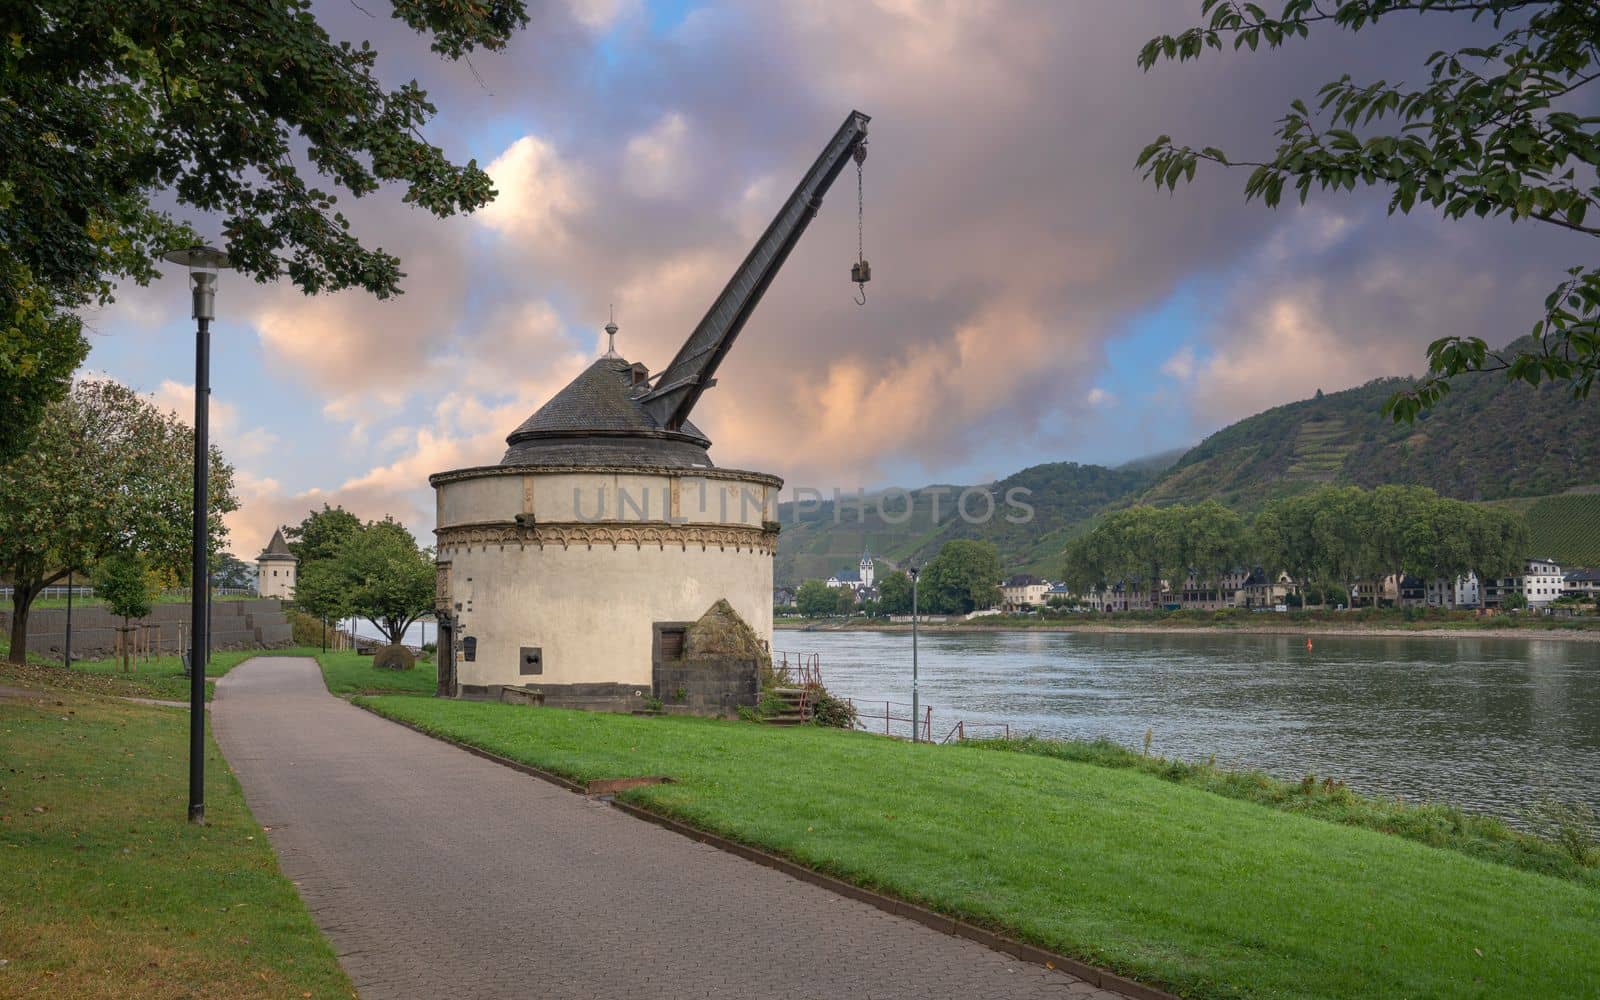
(596, 420)
(277, 550)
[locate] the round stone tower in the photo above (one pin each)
(568, 573)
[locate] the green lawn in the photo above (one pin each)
(106, 890)
(1204, 894)
(352, 673)
(160, 677)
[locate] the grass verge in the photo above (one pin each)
(347, 673)
(1200, 893)
(160, 677)
(1428, 823)
(105, 890)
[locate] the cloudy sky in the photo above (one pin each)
(1033, 300)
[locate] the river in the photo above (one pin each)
(1490, 725)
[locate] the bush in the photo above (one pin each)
(307, 628)
(828, 710)
(394, 658)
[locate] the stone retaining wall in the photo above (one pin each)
(251, 624)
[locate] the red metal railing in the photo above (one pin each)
(869, 716)
(998, 730)
(802, 670)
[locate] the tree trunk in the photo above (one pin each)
(22, 596)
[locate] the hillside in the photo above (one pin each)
(1565, 527)
(1487, 440)
(1064, 495)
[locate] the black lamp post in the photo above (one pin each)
(66, 654)
(203, 263)
(913, 572)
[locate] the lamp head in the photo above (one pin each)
(203, 263)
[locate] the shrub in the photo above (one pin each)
(394, 658)
(828, 710)
(307, 629)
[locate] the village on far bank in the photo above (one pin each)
(1542, 586)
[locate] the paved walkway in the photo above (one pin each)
(438, 874)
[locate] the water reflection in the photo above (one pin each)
(1488, 724)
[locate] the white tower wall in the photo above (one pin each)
(581, 564)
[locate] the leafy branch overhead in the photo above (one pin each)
(1496, 130)
(249, 112)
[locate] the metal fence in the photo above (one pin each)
(83, 590)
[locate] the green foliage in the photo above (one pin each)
(894, 593)
(123, 582)
(1328, 538)
(962, 578)
(308, 630)
(108, 108)
(320, 534)
(844, 600)
(314, 541)
(1572, 825)
(39, 350)
(1144, 543)
(106, 472)
(831, 711)
(378, 573)
(230, 572)
(815, 599)
(1494, 131)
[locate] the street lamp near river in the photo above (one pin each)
(913, 572)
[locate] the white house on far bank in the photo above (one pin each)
(1541, 583)
(1023, 591)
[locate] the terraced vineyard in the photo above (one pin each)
(1564, 527)
(1320, 448)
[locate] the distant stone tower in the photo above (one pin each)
(275, 568)
(866, 569)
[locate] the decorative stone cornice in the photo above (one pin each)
(487, 471)
(615, 534)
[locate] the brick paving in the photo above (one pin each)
(438, 874)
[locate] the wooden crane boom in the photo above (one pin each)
(691, 371)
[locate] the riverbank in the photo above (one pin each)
(1584, 632)
(1174, 885)
(106, 890)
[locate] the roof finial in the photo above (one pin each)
(611, 336)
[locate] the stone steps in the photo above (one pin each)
(797, 711)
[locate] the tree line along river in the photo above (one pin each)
(1491, 725)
